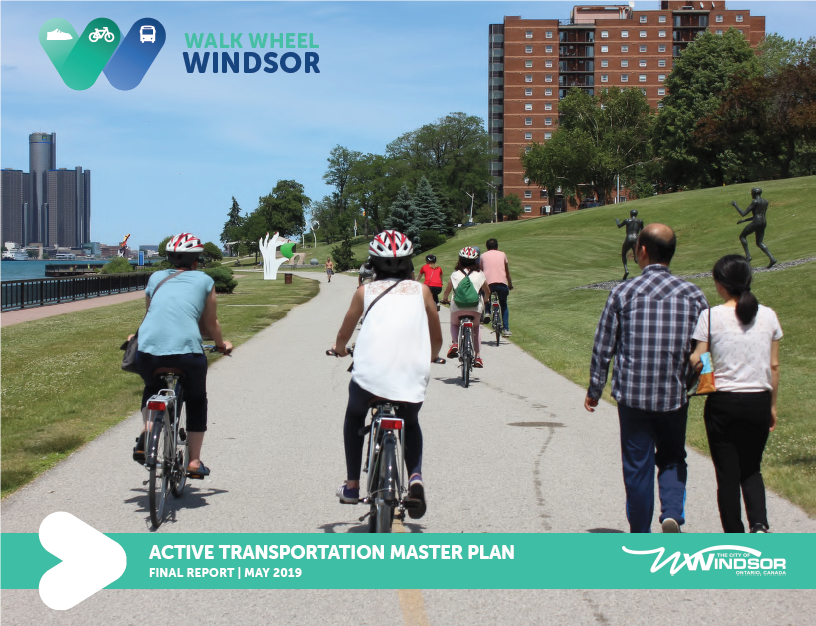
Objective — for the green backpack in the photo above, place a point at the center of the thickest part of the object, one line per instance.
(465, 295)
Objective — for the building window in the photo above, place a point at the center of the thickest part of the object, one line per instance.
(661, 91)
(661, 77)
(548, 34)
(624, 48)
(642, 78)
(624, 63)
(643, 19)
(718, 19)
(604, 34)
(548, 91)
(528, 49)
(548, 64)
(661, 19)
(528, 91)
(604, 63)
(547, 135)
(624, 78)
(528, 63)
(526, 150)
(548, 78)
(526, 181)
(643, 33)
(528, 194)
(642, 63)
(719, 32)
(548, 106)
(528, 106)
(661, 33)
(642, 48)
(739, 18)
(529, 34)
(548, 49)
(547, 121)
(528, 121)
(624, 34)
(528, 208)
(659, 105)
(739, 30)
(643, 91)
(528, 78)
(604, 48)
(604, 78)
(661, 48)
(661, 63)
(528, 135)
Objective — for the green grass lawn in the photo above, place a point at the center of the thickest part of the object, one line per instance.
(62, 385)
(555, 323)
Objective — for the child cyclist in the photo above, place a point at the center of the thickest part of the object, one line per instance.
(399, 338)
(433, 277)
(468, 265)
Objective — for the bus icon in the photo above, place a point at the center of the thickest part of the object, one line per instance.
(147, 33)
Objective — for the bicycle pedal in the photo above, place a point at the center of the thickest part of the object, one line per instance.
(182, 434)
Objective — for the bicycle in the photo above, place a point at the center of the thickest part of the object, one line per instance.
(496, 316)
(386, 486)
(100, 33)
(467, 354)
(166, 453)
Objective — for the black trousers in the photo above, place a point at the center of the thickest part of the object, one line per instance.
(737, 426)
(195, 383)
(435, 291)
(359, 400)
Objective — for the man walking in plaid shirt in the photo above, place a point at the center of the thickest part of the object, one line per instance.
(647, 325)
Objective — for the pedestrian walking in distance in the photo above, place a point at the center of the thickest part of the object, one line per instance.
(646, 326)
(739, 416)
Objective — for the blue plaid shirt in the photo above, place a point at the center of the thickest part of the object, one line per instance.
(647, 325)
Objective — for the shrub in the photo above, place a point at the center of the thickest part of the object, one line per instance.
(117, 265)
(431, 239)
(224, 282)
(343, 257)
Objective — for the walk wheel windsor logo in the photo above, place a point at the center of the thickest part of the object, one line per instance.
(79, 59)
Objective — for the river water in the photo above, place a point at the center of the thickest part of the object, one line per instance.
(22, 270)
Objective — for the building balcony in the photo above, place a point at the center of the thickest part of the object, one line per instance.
(577, 50)
(576, 66)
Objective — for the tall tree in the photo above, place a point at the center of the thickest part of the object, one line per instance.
(338, 174)
(599, 137)
(403, 215)
(777, 53)
(428, 212)
(370, 189)
(234, 221)
(284, 209)
(706, 69)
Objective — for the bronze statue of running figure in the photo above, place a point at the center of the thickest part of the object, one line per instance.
(633, 228)
(758, 208)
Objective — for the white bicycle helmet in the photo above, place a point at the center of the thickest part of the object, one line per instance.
(469, 253)
(184, 243)
(391, 244)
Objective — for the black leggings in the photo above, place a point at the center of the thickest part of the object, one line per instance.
(435, 291)
(358, 404)
(737, 426)
(194, 367)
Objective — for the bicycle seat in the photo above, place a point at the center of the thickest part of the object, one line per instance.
(469, 318)
(168, 370)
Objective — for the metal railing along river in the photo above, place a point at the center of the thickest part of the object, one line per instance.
(21, 294)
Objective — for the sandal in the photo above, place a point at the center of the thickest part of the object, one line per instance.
(453, 351)
(139, 449)
(477, 362)
(440, 361)
(200, 473)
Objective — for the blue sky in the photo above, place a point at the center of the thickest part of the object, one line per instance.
(168, 156)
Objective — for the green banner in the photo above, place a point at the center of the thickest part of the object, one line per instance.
(440, 561)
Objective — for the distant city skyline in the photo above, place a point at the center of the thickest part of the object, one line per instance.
(169, 155)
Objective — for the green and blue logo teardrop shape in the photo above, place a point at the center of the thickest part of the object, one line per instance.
(79, 59)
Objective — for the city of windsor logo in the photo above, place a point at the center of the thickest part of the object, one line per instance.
(80, 59)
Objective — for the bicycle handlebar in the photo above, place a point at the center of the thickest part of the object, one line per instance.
(214, 348)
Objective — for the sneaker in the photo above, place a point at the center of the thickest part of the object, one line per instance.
(416, 491)
(139, 449)
(477, 362)
(670, 525)
(453, 351)
(507, 333)
(348, 496)
(759, 527)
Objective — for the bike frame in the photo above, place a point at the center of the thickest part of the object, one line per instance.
(377, 437)
(495, 316)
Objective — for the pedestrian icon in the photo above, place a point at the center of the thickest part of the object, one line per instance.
(58, 35)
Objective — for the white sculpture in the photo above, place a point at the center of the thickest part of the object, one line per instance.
(268, 247)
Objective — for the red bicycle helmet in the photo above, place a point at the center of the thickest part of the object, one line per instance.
(184, 243)
(468, 253)
(391, 244)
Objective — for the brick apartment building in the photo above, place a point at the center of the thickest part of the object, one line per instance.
(534, 63)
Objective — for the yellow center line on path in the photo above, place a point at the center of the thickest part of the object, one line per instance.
(411, 602)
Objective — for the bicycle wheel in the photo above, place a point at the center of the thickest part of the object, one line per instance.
(158, 459)
(467, 360)
(108, 37)
(388, 488)
(497, 327)
(181, 458)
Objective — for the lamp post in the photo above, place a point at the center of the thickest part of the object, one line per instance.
(471, 205)
(495, 195)
(315, 226)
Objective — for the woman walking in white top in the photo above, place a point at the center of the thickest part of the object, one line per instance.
(399, 337)
(744, 345)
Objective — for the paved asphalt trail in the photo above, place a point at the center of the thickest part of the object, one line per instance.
(525, 457)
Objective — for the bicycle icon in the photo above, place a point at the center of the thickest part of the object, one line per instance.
(100, 33)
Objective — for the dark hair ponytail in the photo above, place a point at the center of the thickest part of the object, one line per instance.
(733, 272)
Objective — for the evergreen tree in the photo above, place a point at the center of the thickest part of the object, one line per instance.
(233, 223)
(403, 215)
(429, 214)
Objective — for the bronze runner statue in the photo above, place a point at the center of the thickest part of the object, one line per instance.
(633, 228)
(758, 207)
